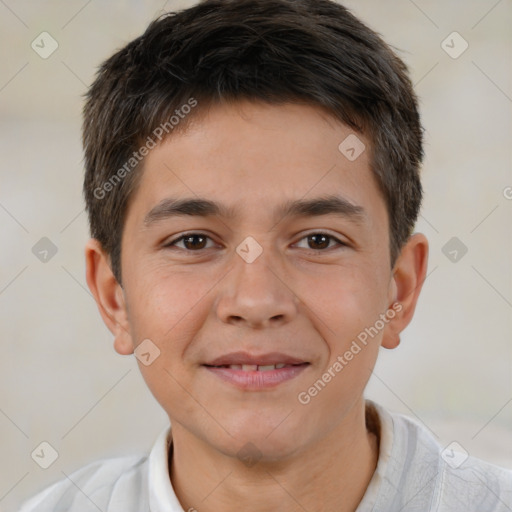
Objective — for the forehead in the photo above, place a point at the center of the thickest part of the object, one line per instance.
(252, 158)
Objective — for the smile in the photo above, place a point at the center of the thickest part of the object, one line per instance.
(253, 377)
(254, 367)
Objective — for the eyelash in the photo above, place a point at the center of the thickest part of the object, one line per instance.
(193, 234)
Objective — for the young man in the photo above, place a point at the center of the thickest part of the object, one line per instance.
(252, 184)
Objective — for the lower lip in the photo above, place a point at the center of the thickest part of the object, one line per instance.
(257, 380)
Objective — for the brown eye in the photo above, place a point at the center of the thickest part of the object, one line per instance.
(191, 241)
(321, 241)
(194, 242)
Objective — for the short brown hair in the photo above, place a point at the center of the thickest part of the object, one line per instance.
(276, 51)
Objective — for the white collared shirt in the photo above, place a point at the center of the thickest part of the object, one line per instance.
(413, 475)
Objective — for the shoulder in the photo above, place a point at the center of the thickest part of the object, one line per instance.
(475, 483)
(98, 485)
(457, 480)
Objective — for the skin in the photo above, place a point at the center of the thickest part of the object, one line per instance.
(199, 300)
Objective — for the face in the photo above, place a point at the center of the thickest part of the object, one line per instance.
(253, 240)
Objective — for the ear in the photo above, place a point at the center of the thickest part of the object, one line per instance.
(109, 296)
(408, 277)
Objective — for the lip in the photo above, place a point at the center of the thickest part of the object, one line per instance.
(259, 360)
(257, 380)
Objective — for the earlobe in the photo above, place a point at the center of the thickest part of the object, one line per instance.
(408, 277)
(109, 296)
(391, 338)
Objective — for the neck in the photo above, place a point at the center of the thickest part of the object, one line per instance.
(331, 474)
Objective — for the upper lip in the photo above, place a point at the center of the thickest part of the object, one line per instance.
(260, 360)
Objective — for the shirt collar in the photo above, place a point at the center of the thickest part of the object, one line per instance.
(385, 435)
(162, 497)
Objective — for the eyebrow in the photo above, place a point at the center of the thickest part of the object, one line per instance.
(200, 207)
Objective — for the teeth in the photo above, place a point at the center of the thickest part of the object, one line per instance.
(255, 367)
(266, 368)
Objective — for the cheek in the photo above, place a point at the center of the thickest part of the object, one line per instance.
(345, 314)
(169, 387)
(167, 303)
(344, 301)
(169, 309)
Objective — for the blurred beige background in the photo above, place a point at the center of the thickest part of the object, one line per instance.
(60, 379)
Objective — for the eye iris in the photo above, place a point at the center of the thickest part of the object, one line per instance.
(320, 240)
(187, 239)
(323, 244)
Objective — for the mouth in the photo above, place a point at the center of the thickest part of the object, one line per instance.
(259, 360)
(255, 367)
(253, 373)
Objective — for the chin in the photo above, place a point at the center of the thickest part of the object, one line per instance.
(254, 448)
(259, 437)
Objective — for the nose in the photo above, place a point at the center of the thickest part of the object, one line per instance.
(257, 294)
